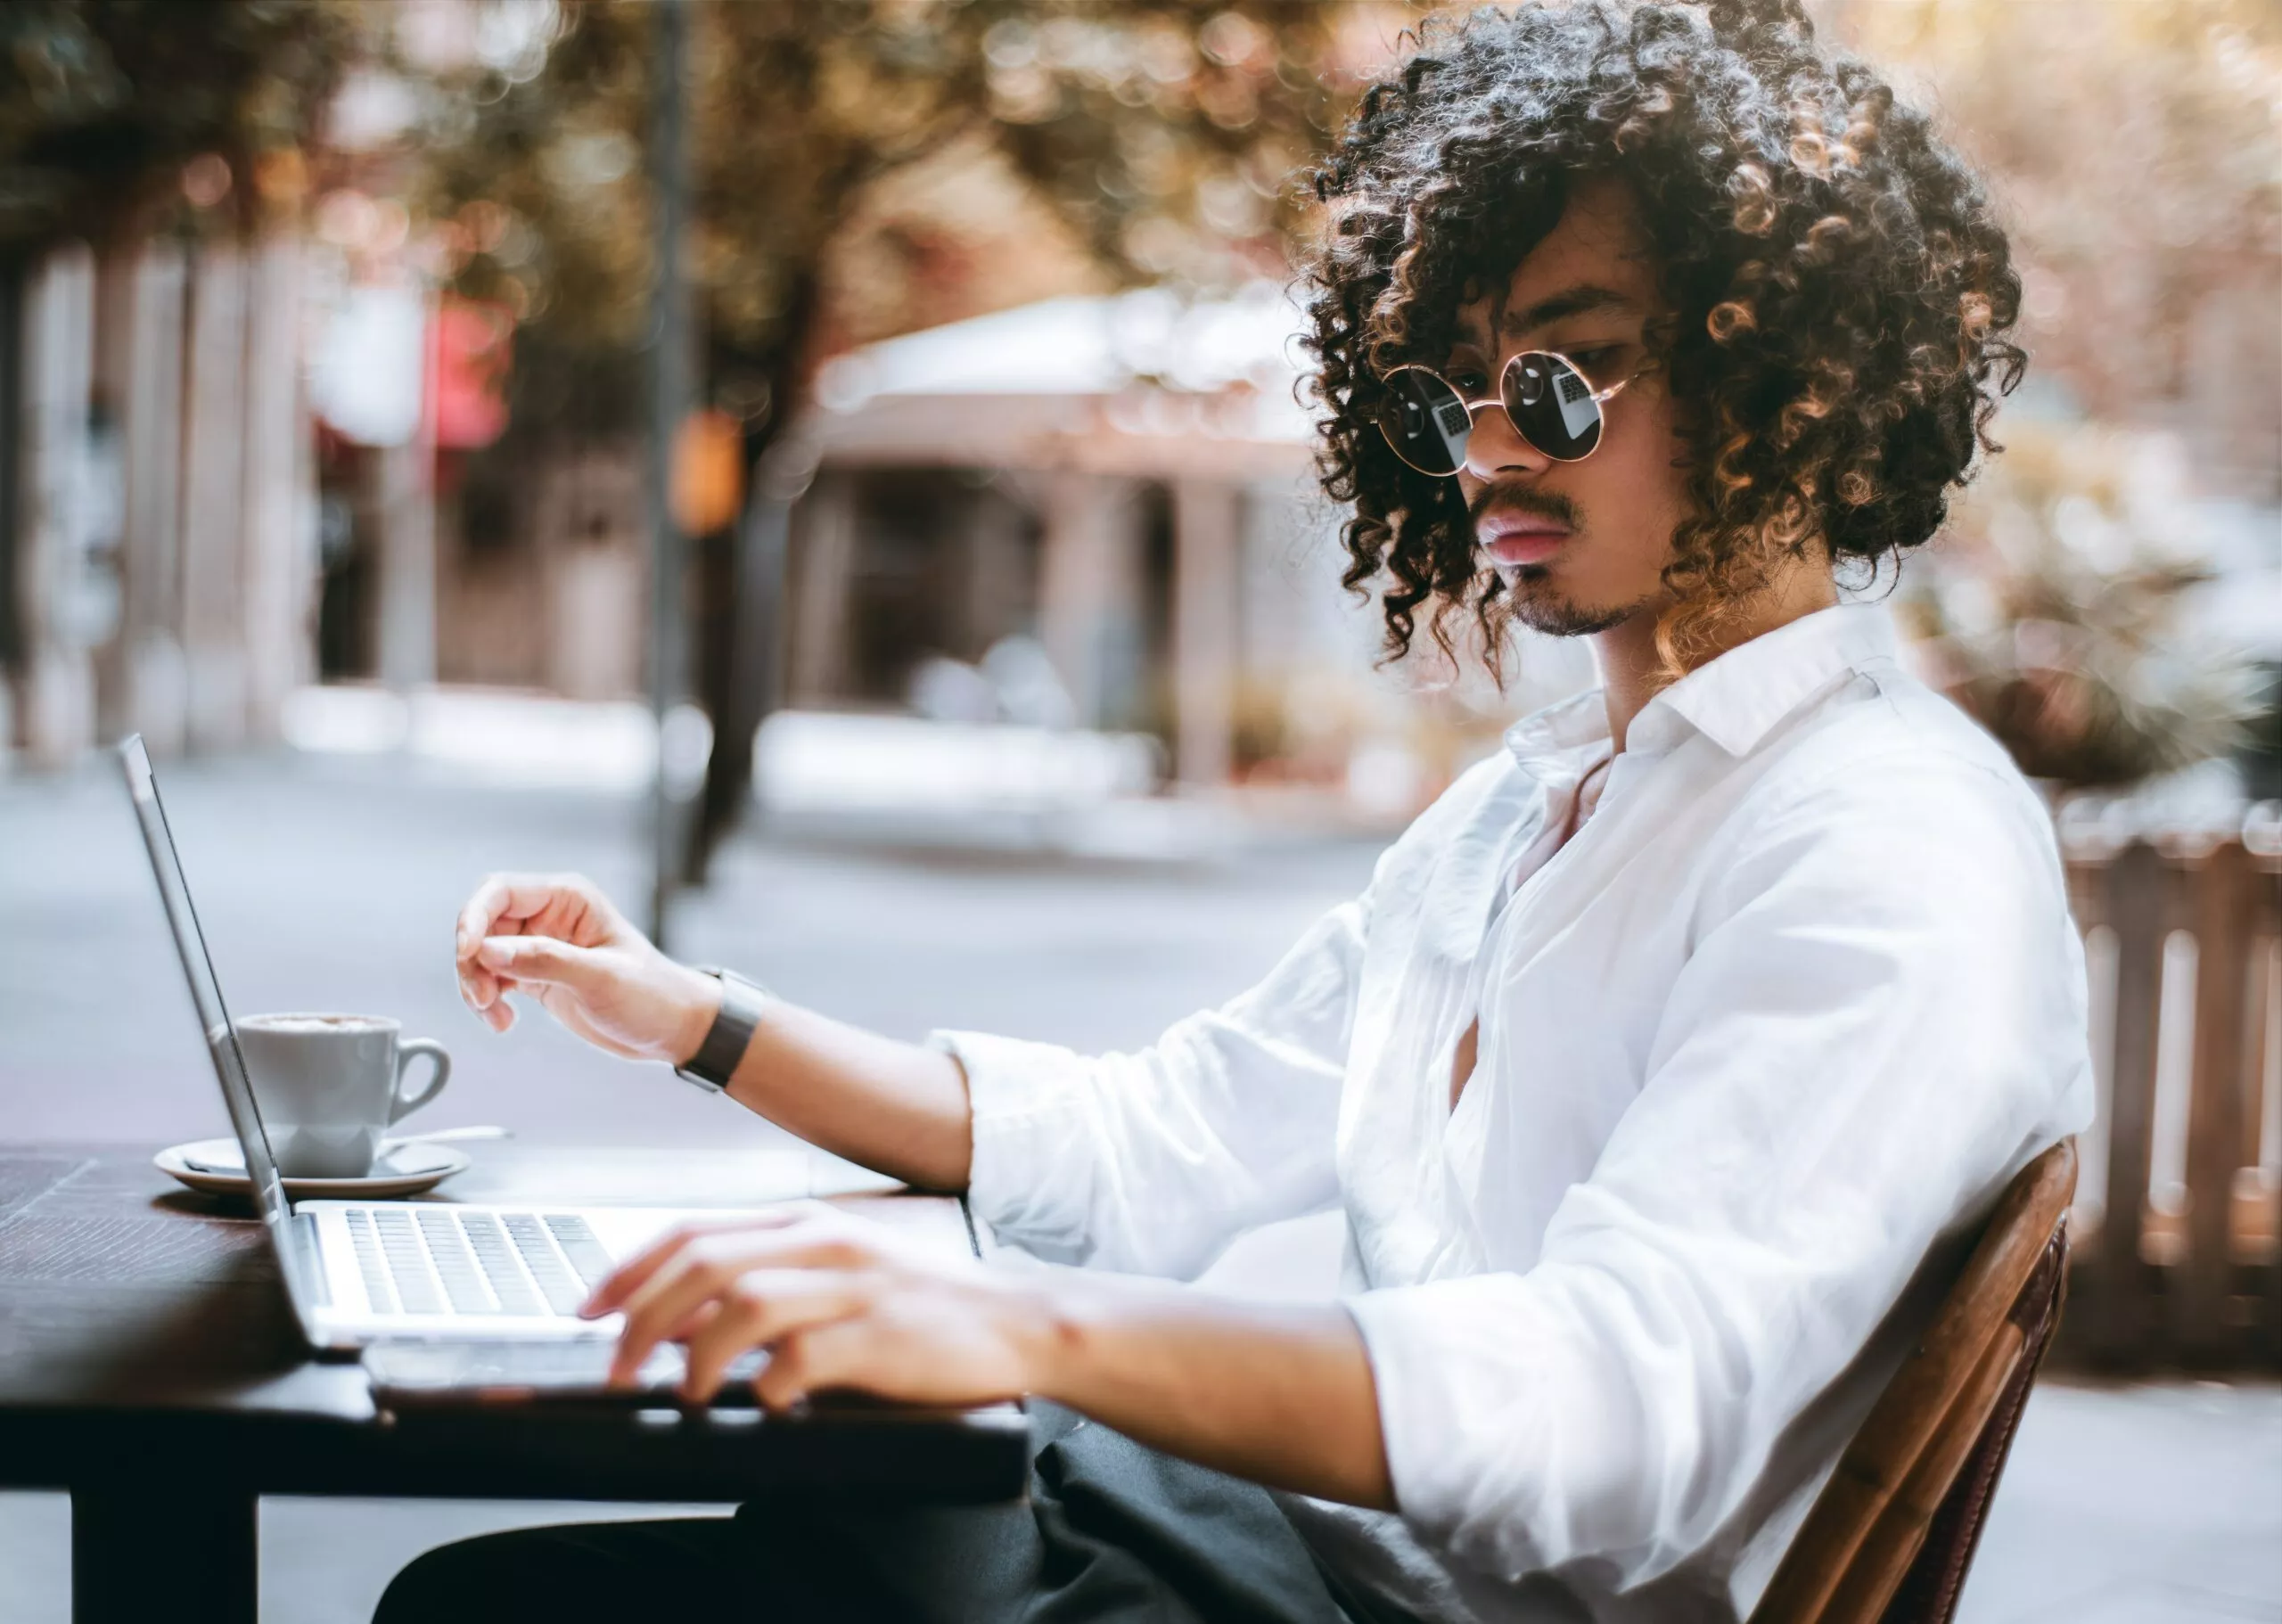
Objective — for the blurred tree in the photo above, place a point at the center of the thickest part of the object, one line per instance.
(2059, 619)
(1161, 133)
(2132, 143)
(104, 103)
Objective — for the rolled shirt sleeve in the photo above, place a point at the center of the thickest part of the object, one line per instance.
(1880, 1020)
(1151, 1163)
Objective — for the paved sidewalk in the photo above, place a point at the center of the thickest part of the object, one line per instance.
(333, 884)
(2159, 1503)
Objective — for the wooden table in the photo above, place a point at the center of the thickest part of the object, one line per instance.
(149, 1366)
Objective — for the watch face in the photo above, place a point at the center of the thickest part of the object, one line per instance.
(716, 1058)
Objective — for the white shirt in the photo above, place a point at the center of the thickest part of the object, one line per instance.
(1770, 1032)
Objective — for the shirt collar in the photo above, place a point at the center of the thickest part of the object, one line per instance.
(1734, 700)
(1548, 743)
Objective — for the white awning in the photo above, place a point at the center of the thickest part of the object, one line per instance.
(1141, 383)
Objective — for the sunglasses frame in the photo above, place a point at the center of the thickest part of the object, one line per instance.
(1599, 398)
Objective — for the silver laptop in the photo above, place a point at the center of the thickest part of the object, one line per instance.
(424, 1274)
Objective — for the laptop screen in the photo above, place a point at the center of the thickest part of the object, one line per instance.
(221, 1038)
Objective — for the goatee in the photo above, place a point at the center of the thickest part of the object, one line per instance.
(1532, 602)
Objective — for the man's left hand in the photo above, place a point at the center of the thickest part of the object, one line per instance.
(840, 1302)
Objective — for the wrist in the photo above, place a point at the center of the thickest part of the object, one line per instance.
(697, 1005)
(1049, 1330)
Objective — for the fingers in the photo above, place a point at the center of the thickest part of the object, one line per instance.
(480, 990)
(758, 1308)
(520, 898)
(706, 1270)
(542, 961)
(682, 1287)
(500, 896)
(487, 995)
(568, 907)
(807, 1362)
(692, 1323)
(631, 1276)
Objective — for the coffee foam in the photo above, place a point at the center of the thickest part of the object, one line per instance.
(312, 1023)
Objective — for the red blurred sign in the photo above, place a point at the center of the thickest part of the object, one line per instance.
(471, 346)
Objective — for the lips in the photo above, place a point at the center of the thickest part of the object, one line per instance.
(1512, 539)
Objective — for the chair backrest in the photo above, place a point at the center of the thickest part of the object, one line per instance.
(1892, 1534)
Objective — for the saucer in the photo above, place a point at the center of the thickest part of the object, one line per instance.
(406, 1170)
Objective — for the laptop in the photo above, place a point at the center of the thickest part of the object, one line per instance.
(442, 1300)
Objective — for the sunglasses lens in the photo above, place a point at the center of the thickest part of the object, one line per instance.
(1426, 421)
(1552, 405)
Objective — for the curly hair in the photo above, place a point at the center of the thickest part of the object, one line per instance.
(1836, 294)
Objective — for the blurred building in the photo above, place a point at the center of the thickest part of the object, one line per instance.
(1125, 478)
(1125, 481)
(158, 487)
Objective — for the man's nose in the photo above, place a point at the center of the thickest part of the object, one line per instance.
(1496, 448)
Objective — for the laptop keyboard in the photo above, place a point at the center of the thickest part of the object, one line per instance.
(438, 1260)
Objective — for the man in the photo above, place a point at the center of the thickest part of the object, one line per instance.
(1666, 1058)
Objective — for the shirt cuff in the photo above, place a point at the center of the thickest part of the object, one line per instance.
(1498, 1424)
(1031, 1177)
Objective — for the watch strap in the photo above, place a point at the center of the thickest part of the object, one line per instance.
(716, 1062)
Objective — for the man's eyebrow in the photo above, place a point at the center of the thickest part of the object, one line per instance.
(1584, 297)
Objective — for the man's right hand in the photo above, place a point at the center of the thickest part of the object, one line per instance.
(557, 939)
(894, 1106)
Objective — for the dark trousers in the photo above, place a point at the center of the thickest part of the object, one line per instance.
(1111, 1532)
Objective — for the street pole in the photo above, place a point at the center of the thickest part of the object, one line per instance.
(669, 391)
(758, 658)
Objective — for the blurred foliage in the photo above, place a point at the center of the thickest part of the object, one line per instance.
(1158, 135)
(104, 102)
(2060, 619)
(2132, 146)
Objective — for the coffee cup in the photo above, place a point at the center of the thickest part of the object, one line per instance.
(328, 1087)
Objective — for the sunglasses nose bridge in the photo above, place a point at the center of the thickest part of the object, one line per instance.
(1497, 444)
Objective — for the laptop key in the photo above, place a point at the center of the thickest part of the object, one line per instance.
(496, 1258)
(556, 1283)
(416, 1282)
(586, 1254)
(372, 1263)
(456, 1264)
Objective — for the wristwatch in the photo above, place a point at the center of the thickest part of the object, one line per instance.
(742, 1004)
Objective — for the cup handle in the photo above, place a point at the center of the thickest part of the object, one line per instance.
(439, 1076)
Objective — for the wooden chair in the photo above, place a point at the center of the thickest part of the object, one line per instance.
(1892, 1534)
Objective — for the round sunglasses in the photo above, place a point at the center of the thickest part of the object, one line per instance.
(1551, 404)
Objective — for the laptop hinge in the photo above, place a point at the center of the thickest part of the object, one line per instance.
(319, 1285)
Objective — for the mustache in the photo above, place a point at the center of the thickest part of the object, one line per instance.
(1525, 499)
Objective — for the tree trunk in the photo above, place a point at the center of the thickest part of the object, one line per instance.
(740, 618)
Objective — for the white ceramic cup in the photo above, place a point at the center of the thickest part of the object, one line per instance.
(330, 1085)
